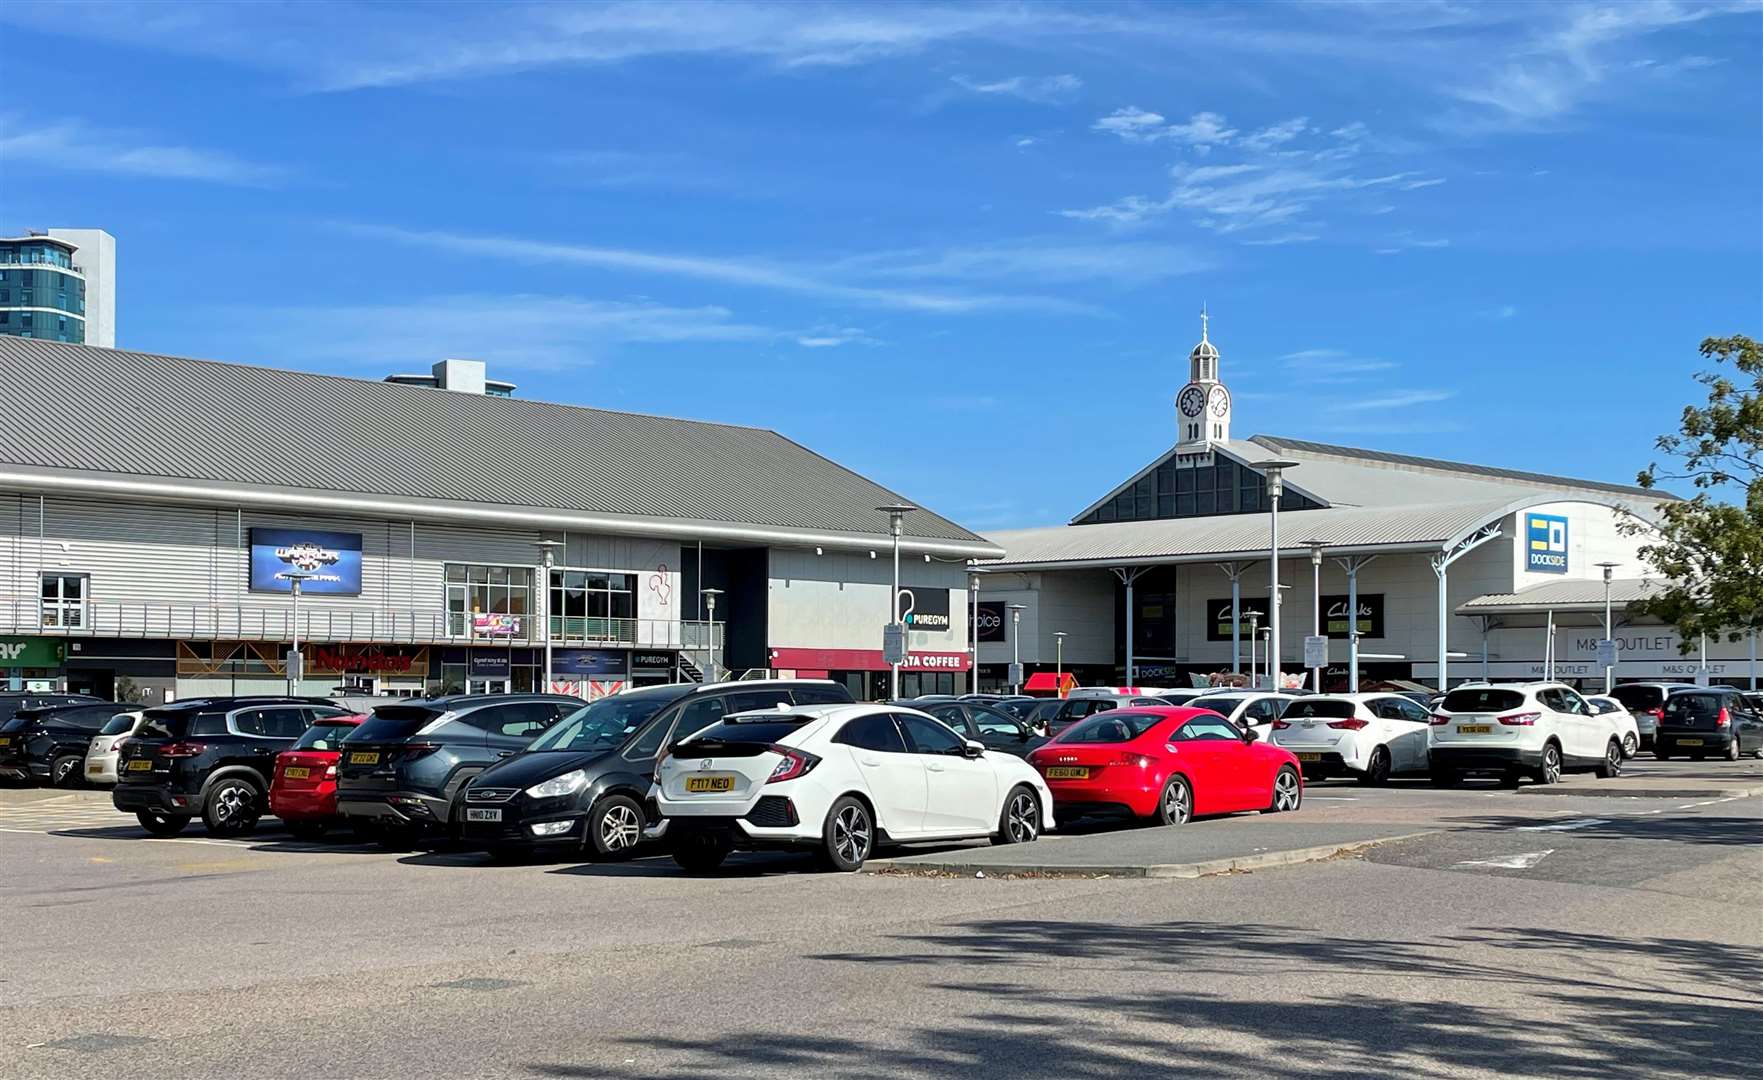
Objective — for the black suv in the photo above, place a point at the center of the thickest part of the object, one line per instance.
(209, 756)
(50, 743)
(585, 783)
(403, 768)
(13, 701)
(1708, 720)
(982, 722)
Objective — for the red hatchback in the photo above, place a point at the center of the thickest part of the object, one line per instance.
(304, 791)
(1169, 764)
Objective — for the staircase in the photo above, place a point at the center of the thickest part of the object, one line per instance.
(689, 670)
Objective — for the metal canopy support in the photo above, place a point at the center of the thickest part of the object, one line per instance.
(1441, 565)
(1128, 575)
(1234, 571)
(1352, 564)
(1488, 623)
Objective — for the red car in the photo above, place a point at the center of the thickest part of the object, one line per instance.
(1166, 763)
(304, 791)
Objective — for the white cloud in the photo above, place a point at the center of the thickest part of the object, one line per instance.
(1131, 123)
(1235, 198)
(1397, 243)
(1285, 238)
(1415, 185)
(1041, 89)
(1023, 142)
(1397, 399)
(1275, 135)
(1202, 131)
(830, 337)
(73, 144)
(1043, 261)
(1504, 311)
(1324, 366)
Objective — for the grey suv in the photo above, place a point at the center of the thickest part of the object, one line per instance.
(404, 768)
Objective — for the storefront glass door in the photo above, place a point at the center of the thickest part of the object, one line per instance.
(486, 686)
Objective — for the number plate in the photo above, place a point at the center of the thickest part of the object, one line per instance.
(710, 783)
(1309, 757)
(364, 757)
(5, 742)
(1475, 729)
(1689, 742)
(296, 772)
(140, 766)
(473, 813)
(1067, 772)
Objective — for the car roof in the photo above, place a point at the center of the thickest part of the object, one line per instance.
(187, 704)
(1243, 695)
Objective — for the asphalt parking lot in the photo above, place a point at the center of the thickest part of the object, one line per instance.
(1479, 932)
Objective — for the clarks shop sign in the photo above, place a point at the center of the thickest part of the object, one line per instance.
(326, 563)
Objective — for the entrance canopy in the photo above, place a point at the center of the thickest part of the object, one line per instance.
(1579, 596)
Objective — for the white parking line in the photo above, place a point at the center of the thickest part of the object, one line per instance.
(1512, 862)
(1332, 798)
(1563, 826)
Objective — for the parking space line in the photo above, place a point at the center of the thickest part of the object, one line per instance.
(1563, 826)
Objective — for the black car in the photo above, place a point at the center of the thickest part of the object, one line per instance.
(14, 701)
(983, 723)
(1708, 720)
(50, 743)
(404, 767)
(585, 783)
(209, 756)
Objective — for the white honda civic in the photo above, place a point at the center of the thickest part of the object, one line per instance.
(839, 780)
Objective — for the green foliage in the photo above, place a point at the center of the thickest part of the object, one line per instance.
(1710, 549)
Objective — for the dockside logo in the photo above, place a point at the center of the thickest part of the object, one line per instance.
(1546, 543)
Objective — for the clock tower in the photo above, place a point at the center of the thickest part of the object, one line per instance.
(1203, 406)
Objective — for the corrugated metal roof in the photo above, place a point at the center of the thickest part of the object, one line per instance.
(1581, 593)
(1488, 472)
(108, 411)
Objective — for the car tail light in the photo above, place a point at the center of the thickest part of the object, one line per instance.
(1521, 719)
(1657, 714)
(183, 749)
(1348, 725)
(330, 772)
(1135, 760)
(1723, 719)
(795, 763)
(1281, 725)
(418, 749)
(1440, 718)
(116, 747)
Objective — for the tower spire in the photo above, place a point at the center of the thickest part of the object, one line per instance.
(1202, 320)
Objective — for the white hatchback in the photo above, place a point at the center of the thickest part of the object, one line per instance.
(1252, 710)
(105, 747)
(839, 780)
(1371, 737)
(1628, 729)
(1536, 729)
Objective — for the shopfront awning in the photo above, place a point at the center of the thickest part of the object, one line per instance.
(1048, 682)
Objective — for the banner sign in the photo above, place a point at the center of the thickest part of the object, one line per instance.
(653, 661)
(495, 624)
(925, 610)
(588, 661)
(992, 620)
(1336, 624)
(30, 652)
(368, 659)
(488, 665)
(1252, 611)
(1545, 547)
(330, 561)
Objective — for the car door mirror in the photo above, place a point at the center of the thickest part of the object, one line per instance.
(1248, 735)
(972, 749)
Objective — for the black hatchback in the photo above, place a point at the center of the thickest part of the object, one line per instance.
(209, 756)
(1708, 720)
(585, 783)
(49, 744)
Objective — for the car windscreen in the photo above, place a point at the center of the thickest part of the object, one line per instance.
(1118, 726)
(323, 736)
(1682, 707)
(118, 725)
(1639, 698)
(394, 722)
(739, 733)
(1220, 705)
(605, 724)
(1482, 699)
(1319, 708)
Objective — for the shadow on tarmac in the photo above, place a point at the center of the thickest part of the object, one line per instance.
(1719, 831)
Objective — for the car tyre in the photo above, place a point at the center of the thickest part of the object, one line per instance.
(1020, 821)
(615, 827)
(1733, 750)
(162, 824)
(306, 830)
(64, 772)
(1288, 792)
(1630, 746)
(701, 854)
(1549, 772)
(1611, 767)
(848, 836)
(232, 807)
(1175, 806)
(1377, 770)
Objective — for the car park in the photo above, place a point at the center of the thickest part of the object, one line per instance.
(1706, 722)
(404, 769)
(213, 757)
(981, 723)
(584, 784)
(1252, 710)
(48, 744)
(1645, 701)
(1628, 731)
(106, 746)
(840, 780)
(303, 791)
(1370, 737)
(1539, 729)
(1166, 763)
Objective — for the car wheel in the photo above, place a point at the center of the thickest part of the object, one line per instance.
(848, 835)
(1378, 770)
(1442, 777)
(1020, 823)
(162, 824)
(1611, 767)
(1176, 805)
(1630, 746)
(1288, 794)
(615, 827)
(232, 807)
(1733, 752)
(305, 830)
(701, 854)
(65, 771)
(1549, 772)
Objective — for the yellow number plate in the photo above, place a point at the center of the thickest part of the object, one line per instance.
(1689, 742)
(364, 757)
(1309, 757)
(5, 742)
(1475, 729)
(296, 772)
(1066, 772)
(710, 783)
(140, 766)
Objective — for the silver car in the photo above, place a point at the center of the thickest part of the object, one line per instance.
(101, 753)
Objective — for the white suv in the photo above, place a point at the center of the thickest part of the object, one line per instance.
(1368, 736)
(1539, 729)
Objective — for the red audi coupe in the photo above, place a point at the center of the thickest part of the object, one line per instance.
(304, 791)
(1166, 763)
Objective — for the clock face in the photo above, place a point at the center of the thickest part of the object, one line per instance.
(1219, 401)
(1192, 401)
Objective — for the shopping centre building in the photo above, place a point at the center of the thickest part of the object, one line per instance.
(1495, 573)
(158, 514)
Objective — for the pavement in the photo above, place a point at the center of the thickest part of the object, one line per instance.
(1579, 935)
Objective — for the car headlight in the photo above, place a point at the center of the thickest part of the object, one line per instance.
(567, 784)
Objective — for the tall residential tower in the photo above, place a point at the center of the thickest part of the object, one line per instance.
(59, 285)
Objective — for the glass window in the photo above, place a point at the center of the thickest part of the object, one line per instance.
(64, 600)
(1077, 708)
(1318, 709)
(748, 700)
(994, 723)
(1680, 708)
(953, 715)
(928, 738)
(1205, 728)
(207, 724)
(519, 719)
(698, 714)
(734, 732)
(1481, 699)
(1637, 698)
(323, 737)
(118, 725)
(1115, 727)
(821, 695)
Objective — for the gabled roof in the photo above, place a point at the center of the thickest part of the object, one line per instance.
(114, 420)
(1474, 473)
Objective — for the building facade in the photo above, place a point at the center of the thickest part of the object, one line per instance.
(59, 286)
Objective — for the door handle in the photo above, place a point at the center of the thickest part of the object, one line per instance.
(869, 763)
(934, 767)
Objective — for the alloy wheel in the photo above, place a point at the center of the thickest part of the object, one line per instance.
(851, 835)
(1613, 759)
(231, 803)
(62, 769)
(1024, 818)
(1285, 792)
(1177, 804)
(619, 828)
(1630, 746)
(1551, 765)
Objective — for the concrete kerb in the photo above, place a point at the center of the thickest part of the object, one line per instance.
(1240, 863)
(1638, 792)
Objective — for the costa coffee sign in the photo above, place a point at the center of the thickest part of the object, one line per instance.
(863, 660)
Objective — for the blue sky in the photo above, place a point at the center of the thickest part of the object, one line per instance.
(960, 249)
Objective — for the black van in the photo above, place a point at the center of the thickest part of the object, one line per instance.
(584, 784)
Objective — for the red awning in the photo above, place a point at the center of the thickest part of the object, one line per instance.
(1049, 681)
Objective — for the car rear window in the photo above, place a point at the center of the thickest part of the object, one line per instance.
(118, 725)
(1638, 698)
(1482, 699)
(1694, 706)
(1220, 705)
(394, 722)
(740, 733)
(168, 723)
(1118, 726)
(1319, 708)
(323, 736)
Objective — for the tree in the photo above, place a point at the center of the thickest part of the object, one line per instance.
(1709, 549)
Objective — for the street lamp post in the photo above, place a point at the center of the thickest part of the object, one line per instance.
(710, 596)
(295, 577)
(973, 635)
(547, 557)
(1274, 470)
(1609, 626)
(896, 515)
(1254, 643)
(1016, 611)
(1315, 605)
(1059, 662)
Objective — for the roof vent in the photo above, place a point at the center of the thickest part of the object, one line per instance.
(460, 376)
